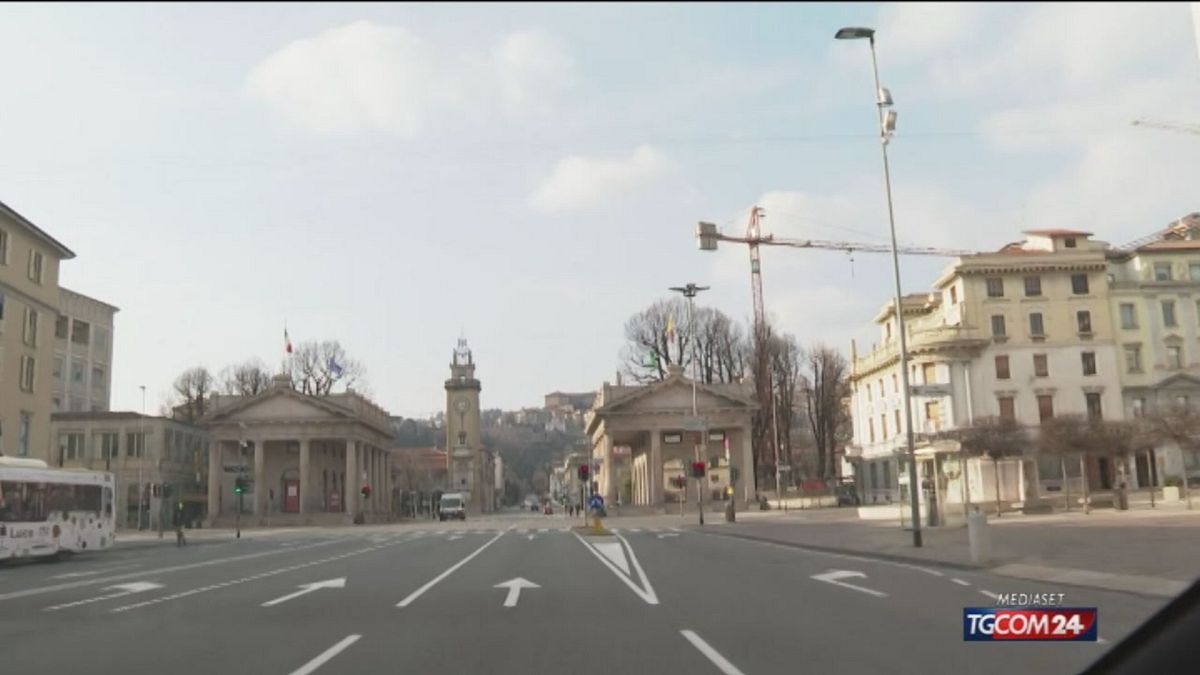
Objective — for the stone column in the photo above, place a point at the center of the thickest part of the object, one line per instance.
(610, 473)
(656, 474)
(350, 484)
(747, 464)
(216, 472)
(387, 483)
(373, 478)
(260, 478)
(305, 478)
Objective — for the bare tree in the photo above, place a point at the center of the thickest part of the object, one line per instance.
(786, 360)
(1067, 436)
(248, 378)
(661, 335)
(316, 366)
(824, 387)
(190, 392)
(996, 438)
(1178, 424)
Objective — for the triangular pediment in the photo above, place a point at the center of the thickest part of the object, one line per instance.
(282, 404)
(1179, 381)
(676, 395)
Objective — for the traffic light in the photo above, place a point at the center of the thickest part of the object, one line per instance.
(155, 490)
(365, 491)
(698, 469)
(584, 470)
(239, 485)
(734, 473)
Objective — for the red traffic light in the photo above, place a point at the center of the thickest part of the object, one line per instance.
(698, 469)
(583, 471)
(365, 491)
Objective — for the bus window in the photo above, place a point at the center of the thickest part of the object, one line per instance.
(108, 501)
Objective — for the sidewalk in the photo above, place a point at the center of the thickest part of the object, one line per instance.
(1152, 552)
(150, 537)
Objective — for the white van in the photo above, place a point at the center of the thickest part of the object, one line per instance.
(453, 505)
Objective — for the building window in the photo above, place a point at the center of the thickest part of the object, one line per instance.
(895, 383)
(874, 475)
(72, 445)
(995, 287)
(954, 295)
(97, 377)
(1045, 407)
(897, 416)
(28, 366)
(3, 247)
(135, 444)
(76, 370)
(1036, 327)
(929, 373)
(60, 327)
(31, 327)
(1168, 313)
(100, 341)
(1181, 400)
(1033, 286)
(1174, 357)
(1162, 271)
(1084, 319)
(35, 266)
(1128, 315)
(1008, 411)
(868, 393)
(1079, 284)
(1093, 406)
(107, 442)
(23, 435)
(1139, 406)
(887, 474)
(871, 429)
(1089, 363)
(881, 394)
(883, 426)
(79, 331)
(1194, 271)
(58, 365)
(887, 330)
(1133, 358)
(1002, 368)
(997, 325)
(933, 415)
(1040, 366)
(1069, 242)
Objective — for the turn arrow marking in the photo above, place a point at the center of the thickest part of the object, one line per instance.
(514, 587)
(832, 577)
(308, 588)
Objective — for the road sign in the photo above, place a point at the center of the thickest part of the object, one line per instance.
(691, 423)
(595, 502)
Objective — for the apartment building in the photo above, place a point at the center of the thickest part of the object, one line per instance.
(83, 354)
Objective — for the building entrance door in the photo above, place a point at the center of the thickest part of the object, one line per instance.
(291, 496)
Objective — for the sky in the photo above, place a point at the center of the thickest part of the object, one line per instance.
(529, 176)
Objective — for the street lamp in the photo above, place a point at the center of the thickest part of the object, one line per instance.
(887, 126)
(690, 291)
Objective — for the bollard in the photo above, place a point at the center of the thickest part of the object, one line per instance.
(978, 536)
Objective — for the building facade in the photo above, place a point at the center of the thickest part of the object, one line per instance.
(29, 302)
(83, 353)
(141, 451)
(304, 459)
(1024, 333)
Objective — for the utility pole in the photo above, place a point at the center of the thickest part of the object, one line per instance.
(141, 457)
(690, 291)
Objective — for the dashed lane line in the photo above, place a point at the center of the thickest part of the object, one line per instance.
(711, 654)
(960, 582)
(326, 655)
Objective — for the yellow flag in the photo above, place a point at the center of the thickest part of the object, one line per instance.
(671, 328)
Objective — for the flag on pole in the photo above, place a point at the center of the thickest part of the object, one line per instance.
(335, 368)
(671, 328)
(287, 341)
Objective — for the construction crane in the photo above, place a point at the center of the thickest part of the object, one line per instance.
(707, 236)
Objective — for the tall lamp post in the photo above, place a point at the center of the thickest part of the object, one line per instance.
(690, 291)
(887, 125)
(141, 455)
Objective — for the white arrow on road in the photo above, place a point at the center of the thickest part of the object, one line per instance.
(514, 587)
(668, 534)
(832, 576)
(122, 590)
(531, 536)
(309, 588)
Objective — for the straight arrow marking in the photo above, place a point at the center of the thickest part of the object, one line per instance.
(514, 587)
(122, 591)
(308, 588)
(833, 576)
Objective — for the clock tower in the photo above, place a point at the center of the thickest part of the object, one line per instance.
(463, 441)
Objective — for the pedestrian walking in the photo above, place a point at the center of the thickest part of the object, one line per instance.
(180, 539)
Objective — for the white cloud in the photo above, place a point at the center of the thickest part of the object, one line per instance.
(578, 182)
(366, 77)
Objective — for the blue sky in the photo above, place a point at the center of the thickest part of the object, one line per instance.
(530, 175)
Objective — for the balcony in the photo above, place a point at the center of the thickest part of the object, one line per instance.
(921, 339)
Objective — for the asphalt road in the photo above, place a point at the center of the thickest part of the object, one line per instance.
(424, 598)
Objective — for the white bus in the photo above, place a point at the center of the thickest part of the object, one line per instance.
(52, 512)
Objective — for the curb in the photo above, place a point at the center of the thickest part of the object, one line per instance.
(890, 557)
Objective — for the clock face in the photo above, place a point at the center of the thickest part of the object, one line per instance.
(461, 405)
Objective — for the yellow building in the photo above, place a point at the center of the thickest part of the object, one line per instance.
(29, 300)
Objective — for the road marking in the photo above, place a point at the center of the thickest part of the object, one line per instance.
(124, 590)
(654, 529)
(713, 655)
(927, 570)
(434, 581)
(520, 531)
(439, 531)
(632, 529)
(143, 573)
(542, 529)
(990, 595)
(960, 582)
(674, 529)
(326, 655)
(308, 588)
(260, 575)
(664, 535)
(832, 576)
(613, 551)
(73, 575)
(514, 587)
(531, 536)
(646, 592)
(453, 537)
